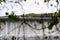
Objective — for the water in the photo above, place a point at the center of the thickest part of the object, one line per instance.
(30, 34)
(28, 38)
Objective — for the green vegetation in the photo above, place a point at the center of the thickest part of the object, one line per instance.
(55, 14)
(2, 1)
(31, 15)
(46, 0)
(12, 17)
(54, 21)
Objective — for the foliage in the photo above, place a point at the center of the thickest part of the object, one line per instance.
(46, 0)
(54, 17)
(40, 21)
(54, 22)
(32, 15)
(2, 1)
(55, 14)
(50, 26)
(12, 17)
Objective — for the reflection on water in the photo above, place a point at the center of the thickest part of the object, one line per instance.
(28, 38)
(10, 32)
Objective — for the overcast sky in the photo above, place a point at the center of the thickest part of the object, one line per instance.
(30, 6)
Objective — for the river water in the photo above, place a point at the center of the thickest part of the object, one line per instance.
(9, 29)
